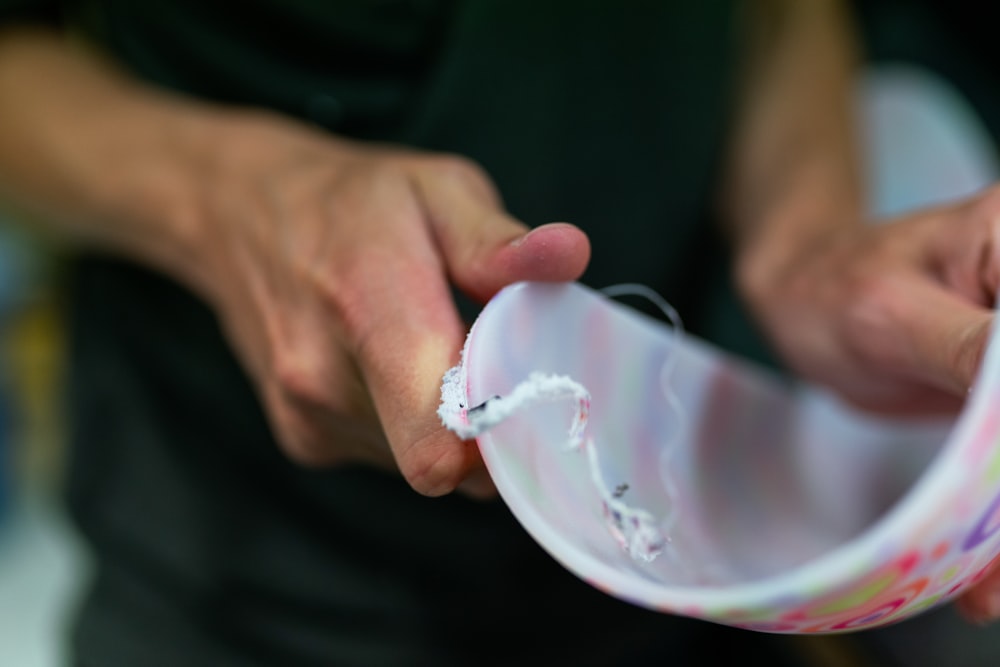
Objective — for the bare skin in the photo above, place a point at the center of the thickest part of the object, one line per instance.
(894, 317)
(329, 263)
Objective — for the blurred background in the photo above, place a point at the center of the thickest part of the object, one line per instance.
(42, 564)
(44, 567)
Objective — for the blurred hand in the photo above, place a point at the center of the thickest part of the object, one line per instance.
(329, 264)
(894, 317)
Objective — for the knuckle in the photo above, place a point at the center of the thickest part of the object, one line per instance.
(352, 182)
(295, 381)
(348, 308)
(383, 178)
(870, 316)
(461, 171)
(298, 378)
(456, 166)
(871, 296)
(296, 436)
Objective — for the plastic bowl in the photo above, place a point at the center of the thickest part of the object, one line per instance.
(779, 509)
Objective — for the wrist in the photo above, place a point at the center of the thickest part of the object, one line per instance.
(94, 156)
(150, 190)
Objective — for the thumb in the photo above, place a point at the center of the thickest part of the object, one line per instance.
(481, 260)
(941, 337)
(961, 248)
(485, 249)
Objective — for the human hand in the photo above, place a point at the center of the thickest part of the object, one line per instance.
(329, 264)
(894, 317)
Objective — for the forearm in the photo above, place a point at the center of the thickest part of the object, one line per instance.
(794, 173)
(95, 156)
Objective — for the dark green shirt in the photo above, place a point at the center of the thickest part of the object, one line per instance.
(214, 549)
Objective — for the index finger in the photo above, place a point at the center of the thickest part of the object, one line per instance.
(925, 331)
(412, 336)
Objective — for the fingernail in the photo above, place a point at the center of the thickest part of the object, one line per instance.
(521, 239)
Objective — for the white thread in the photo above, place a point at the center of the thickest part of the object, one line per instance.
(536, 389)
(635, 529)
(453, 410)
(701, 568)
(669, 447)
